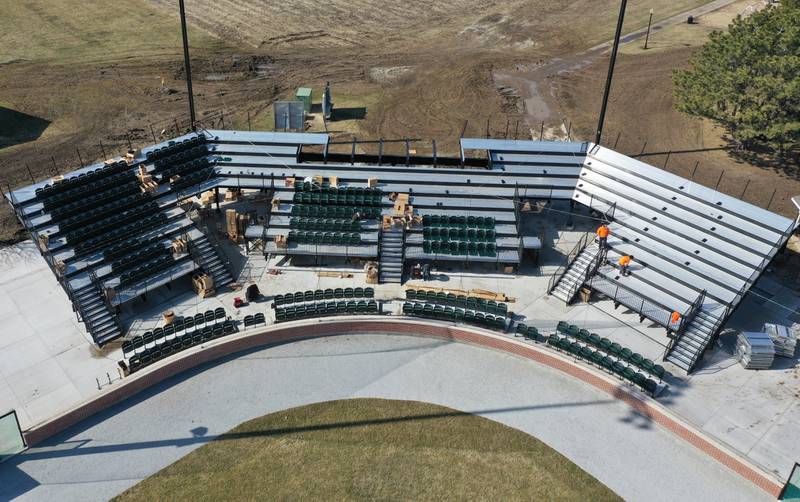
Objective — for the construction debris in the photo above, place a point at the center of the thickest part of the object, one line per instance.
(755, 351)
(477, 293)
(338, 275)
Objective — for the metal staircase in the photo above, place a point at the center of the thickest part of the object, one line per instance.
(96, 313)
(204, 254)
(576, 274)
(694, 336)
(391, 255)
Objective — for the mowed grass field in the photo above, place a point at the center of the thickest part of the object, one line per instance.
(372, 449)
(76, 31)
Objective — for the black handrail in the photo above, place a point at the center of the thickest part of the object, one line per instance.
(562, 269)
(646, 308)
(686, 319)
(590, 270)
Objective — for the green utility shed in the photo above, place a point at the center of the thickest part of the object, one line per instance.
(304, 95)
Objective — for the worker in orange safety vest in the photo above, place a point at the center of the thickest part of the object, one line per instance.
(602, 235)
(624, 264)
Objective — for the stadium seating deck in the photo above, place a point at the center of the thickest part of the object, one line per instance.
(691, 244)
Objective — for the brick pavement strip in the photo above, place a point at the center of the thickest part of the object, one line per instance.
(289, 332)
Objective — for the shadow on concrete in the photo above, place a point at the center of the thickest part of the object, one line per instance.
(17, 482)
(17, 127)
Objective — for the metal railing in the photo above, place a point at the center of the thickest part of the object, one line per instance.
(588, 272)
(621, 295)
(720, 320)
(686, 319)
(715, 329)
(562, 269)
(98, 285)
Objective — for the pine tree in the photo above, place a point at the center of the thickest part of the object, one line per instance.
(748, 78)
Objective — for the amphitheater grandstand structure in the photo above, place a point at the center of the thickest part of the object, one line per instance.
(108, 236)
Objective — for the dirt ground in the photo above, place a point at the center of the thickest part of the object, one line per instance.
(643, 122)
(75, 74)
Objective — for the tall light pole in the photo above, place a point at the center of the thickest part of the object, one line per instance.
(649, 23)
(187, 68)
(614, 49)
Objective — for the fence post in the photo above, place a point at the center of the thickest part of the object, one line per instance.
(177, 129)
(697, 163)
(541, 132)
(248, 121)
(745, 189)
(770, 199)
(55, 168)
(643, 147)
(79, 156)
(222, 118)
(667, 159)
(516, 130)
(33, 180)
(617, 140)
(719, 179)
(152, 133)
(103, 151)
(130, 145)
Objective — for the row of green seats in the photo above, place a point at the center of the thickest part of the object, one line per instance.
(453, 300)
(326, 188)
(89, 216)
(139, 256)
(336, 200)
(460, 248)
(61, 193)
(194, 178)
(110, 220)
(91, 201)
(611, 348)
(528, 332)
(123, 232)
(146, 269)
(84, 184)
(323, 294)
(175, 146)
(179, 343)
(454, 315)
(599, 358)
(317, 211)
(458, 234)
(325, 224)
(436, 220)
(149, 339)
(323, 309)
(329, 238)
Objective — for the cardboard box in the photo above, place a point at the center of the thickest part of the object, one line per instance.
(333, 181)
(231, 221)
(372, 182)
(288, 182)
(281, 241)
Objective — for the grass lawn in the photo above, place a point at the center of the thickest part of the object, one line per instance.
(77, 31)
(372, 449)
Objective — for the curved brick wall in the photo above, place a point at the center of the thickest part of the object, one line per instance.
(330, 327)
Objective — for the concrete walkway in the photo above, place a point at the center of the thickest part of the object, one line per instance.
(114, 450)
